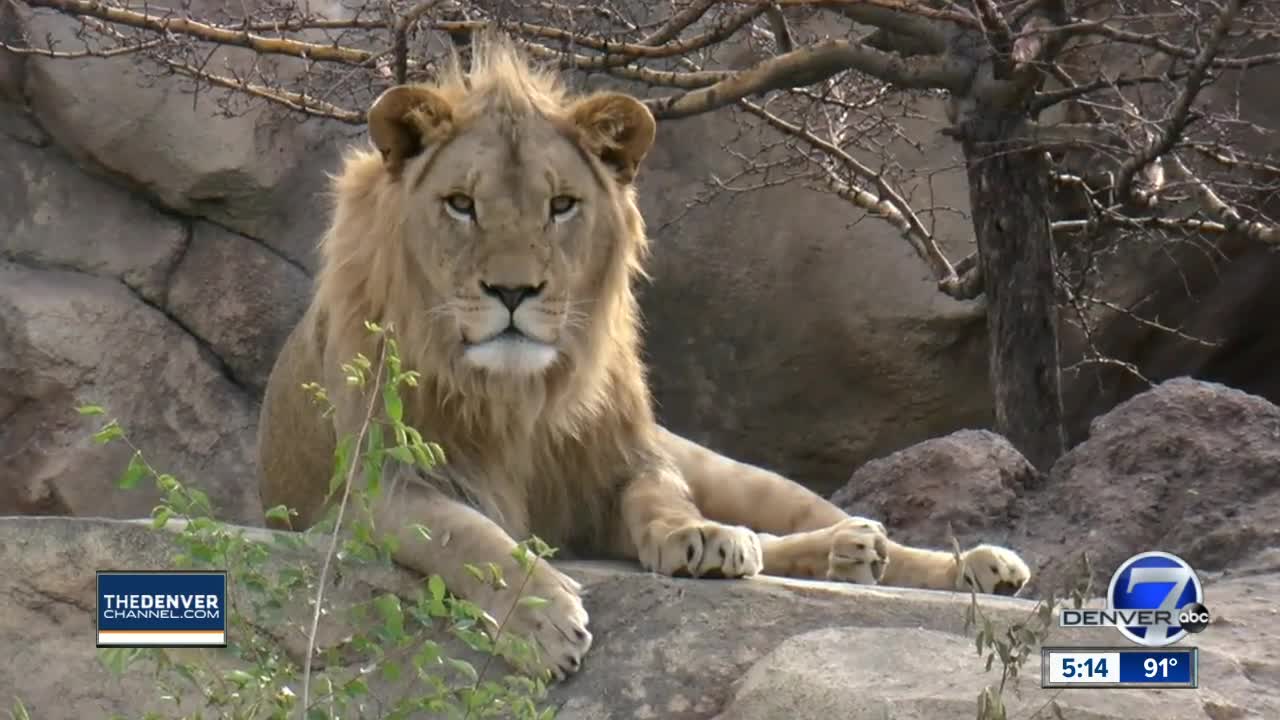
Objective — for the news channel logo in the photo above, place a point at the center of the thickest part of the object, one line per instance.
(162, 609)
(1155, 599)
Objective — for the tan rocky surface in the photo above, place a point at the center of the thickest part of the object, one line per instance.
(667, 648)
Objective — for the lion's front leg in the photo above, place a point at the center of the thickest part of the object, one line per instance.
(803, 535)
(459, 535)
(983, 568)
(852, 550)
(671, 537)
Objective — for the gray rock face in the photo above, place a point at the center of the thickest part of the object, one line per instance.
(240, 298)
(69, 339)
(53, 215)
(971, 479)
(239, 164)
(1188, 467)
(767, 326)
(665, 648)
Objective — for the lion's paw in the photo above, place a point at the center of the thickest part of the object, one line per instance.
(993, 569)
(556, 628)
(705, 549)
(859, 551)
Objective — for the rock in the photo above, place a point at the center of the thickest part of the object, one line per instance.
(70, 339)
(53, 215)
(665, 648)
(1188, 467)
(239, 297)
(785, 331)
(213, 155)
(971, 479)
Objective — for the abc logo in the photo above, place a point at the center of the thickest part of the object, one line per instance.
(1168, 587)
(1194, 618)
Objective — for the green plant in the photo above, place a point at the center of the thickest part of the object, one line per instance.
(1014, 643)
(389, 636)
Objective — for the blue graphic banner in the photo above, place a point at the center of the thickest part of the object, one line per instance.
(162, 609)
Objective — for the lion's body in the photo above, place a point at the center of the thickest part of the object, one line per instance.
(495, 229)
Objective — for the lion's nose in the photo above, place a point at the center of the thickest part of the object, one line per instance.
(1004, 587)
(511, 295)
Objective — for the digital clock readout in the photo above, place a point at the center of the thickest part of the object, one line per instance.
(1063, 667)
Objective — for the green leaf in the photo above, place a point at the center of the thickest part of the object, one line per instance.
(533, 602)
(19, 711)
(463, 667)
(133, 473)
(117, 660)
(435, 585)
(90, 410)
(373, 473)
(110, 431)
(428, 654)
(388, 606)
(167, 483)
(401, 453)
(341, 462)
(355, 688)
(279, 512)
(420, 455)
(393, 403)
(160, 517)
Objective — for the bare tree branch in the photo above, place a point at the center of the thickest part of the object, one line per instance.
(204, 31)
(1173, 129)
(810, 65)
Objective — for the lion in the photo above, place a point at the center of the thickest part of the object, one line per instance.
(493, 223)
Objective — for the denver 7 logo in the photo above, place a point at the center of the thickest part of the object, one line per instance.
(1159, 582)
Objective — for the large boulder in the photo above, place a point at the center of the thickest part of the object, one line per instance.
(239, 297)
(664, 648)
(968, 483)
(68, 338)
(208, 154)
(1188, 467)
(53, 215)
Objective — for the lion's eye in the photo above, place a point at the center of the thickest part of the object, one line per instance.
(563, 207)
(460, 206)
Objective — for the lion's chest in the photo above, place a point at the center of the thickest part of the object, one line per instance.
(565, 492)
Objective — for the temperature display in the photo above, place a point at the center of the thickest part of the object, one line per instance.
(1118, 667)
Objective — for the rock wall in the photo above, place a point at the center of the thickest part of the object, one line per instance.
(667, 648)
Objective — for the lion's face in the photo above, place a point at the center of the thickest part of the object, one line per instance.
(514, 230)
(516, 217)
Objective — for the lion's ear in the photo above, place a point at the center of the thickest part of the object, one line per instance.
(617, 128)
(406, 119)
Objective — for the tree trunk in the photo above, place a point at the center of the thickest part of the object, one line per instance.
(1009, 194)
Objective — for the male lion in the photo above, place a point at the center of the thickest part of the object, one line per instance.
(494, 225)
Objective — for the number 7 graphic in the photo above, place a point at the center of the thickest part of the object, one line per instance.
(1179, 576)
